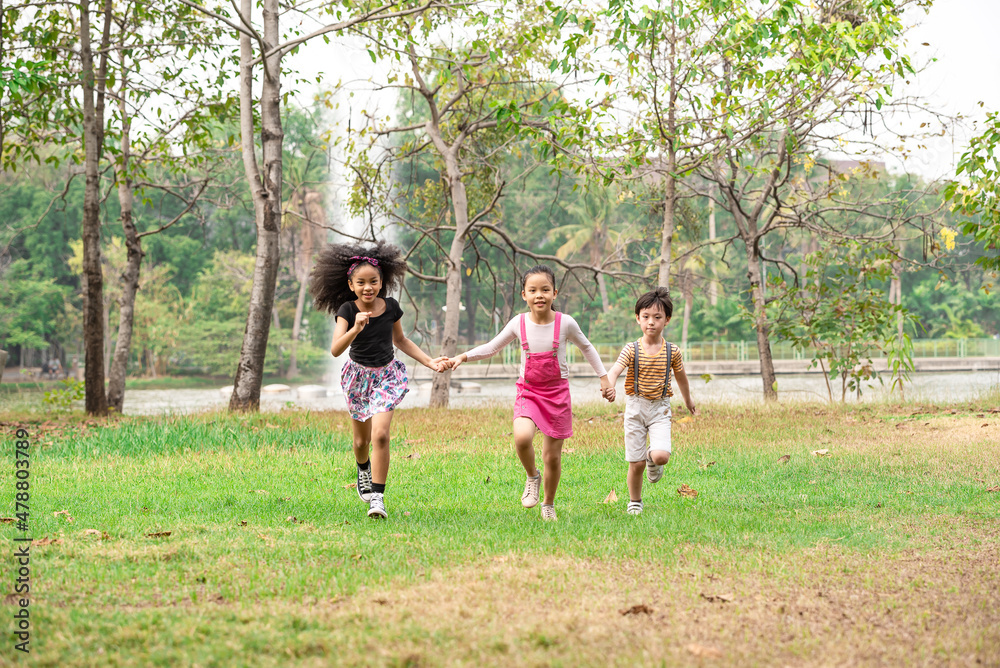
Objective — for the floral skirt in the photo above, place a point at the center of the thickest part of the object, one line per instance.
(371, 390)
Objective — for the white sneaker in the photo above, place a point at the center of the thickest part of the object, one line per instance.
(549, 513)
(365, 483)
(634, 508)
(653, 472)
(531, 486)
(376, 507)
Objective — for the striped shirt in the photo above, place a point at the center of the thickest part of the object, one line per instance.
(652, 370)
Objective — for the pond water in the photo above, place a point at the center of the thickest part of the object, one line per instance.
(957, 386)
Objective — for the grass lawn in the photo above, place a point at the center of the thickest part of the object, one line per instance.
(885, 551)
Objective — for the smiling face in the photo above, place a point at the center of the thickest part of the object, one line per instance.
(538, 293)
(652, 320)
(365, 283)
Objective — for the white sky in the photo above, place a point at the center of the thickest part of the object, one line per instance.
(962, 37)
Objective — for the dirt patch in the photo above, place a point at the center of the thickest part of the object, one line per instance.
(829, 608)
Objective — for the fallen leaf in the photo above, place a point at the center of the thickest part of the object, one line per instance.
(821, 453)
(611, 497)
(718, 598)
(407, 512)
(309, 463)
(351, 485)
(641, 609)
(784, 459)
(160, 534)
(46, 541)
(262, 491)
(812, 482)
(243, 523)
(263, 536)
(986, 424)
(684, 490)
(413, 455)
(683, 420)
(709, 464)
(703, 651)
(65, 513)
(414, 441)
(569, 451)
(91, 532)
(293, 520)
(993, 489)
(398, 535)
(357, 557)
(6, 520)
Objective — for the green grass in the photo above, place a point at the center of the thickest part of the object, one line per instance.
(226, 488)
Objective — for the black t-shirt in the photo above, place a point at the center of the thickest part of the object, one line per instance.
(373, 346)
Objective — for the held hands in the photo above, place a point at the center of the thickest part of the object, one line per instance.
(456, 361)
(439, 364)
(607, 390)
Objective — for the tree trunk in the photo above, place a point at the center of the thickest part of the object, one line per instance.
(761, 324)
(266, 194)
(130, 277)
(300, 301)
(95, 400)
(670, 184)
(470, 312)
(688, 291)
(667, 232)
(713, 284)
(440, 390)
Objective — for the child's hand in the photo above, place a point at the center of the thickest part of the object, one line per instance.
(609, 394)
(690, 407)
(440, 364)
(361, 320)
(456, 361)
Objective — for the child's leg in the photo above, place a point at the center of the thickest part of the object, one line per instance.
(362, 437)
(524, 434)
(380, 423)
(552, 459)
(634, 480)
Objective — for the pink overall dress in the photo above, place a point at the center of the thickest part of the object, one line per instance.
(542, 392)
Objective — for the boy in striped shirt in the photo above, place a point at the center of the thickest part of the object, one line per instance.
(648, 363)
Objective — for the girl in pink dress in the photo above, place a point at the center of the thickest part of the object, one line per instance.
(543, 401)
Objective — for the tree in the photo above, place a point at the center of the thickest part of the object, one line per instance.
(841, 313)
(264, 46)
(979, 197)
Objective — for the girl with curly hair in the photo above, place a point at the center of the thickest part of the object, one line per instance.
(353, 281)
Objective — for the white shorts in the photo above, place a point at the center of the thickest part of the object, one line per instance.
(645, 417)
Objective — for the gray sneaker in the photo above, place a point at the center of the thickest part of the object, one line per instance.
(365, 484)
(376, 507)
(531, 486)
(549, 513)
(634, 508)
(653, 472)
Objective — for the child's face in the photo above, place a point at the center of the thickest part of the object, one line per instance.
(538, 293)
(365, 283)
(652, 320)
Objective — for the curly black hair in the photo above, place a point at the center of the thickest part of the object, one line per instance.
(328, 282)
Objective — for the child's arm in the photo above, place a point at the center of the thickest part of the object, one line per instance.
(408, 347)
(682, 384)
(506, 335)
(616, 370)
(343, 337)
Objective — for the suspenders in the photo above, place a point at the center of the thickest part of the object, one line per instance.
(635, 367)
